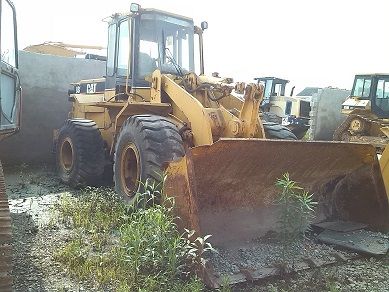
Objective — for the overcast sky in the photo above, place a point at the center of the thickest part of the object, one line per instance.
(311, 43)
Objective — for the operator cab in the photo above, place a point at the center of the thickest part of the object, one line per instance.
(370, 91)
(273, 87)
(146, 40)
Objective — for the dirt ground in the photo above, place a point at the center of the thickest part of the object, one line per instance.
(32, 191)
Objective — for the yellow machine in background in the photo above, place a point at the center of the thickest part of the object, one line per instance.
(10, 105)
(367, 111)
(152, 114)
(290, 111)
(67, 50)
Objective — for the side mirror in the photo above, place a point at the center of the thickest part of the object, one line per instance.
(134, 7)
(204, 25)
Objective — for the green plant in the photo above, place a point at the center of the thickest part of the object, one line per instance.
(297, 209)
(134, 247)
(225, 286)
(195, 250)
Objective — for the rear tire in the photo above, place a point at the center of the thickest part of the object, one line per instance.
(144, 144)
(80, 153)
(277, 131)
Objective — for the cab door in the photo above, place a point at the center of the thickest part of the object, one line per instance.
(380, 102)
(10, 92)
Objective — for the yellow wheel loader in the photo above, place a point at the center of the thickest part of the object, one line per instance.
(10, 105)
(367, 111)
(289, 111)
(152, 115)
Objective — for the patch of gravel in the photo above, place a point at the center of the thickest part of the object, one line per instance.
(367, 274)
(36, 238)
(263, 254)
(33, 191)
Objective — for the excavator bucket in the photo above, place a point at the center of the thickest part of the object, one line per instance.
(227, 190)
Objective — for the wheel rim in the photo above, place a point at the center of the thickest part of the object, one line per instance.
(66, 154)
(357, 125)
(129, 171)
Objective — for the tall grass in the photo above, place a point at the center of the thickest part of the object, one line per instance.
(129, 248)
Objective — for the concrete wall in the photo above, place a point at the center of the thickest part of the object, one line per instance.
(326, 113)
(45, 81)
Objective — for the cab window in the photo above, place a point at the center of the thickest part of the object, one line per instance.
(111, 50)
(382, 88)
(366, 88)
(278, 89)
(123, 48)
(268, 87)
(382, 96)
(8, 44)
(362, 87)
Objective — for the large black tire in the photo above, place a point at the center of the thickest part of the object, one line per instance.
(80, 155)
(144, 145)
(271, 117)
(277, 131)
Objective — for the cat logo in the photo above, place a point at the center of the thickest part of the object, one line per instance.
(91, 88)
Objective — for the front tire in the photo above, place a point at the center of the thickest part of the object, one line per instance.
(144, 144)
(80, 155)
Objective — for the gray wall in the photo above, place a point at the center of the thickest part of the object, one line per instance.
(326, 113)
(45, 81)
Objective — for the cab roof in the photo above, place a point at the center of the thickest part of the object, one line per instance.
(120, 16)
(372, 74)
(271, 78)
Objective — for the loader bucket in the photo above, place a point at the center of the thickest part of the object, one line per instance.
(227, 189)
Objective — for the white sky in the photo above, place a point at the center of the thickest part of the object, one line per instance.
(309, 42)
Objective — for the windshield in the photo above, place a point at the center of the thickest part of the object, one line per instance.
(166, 43)
(362, 87)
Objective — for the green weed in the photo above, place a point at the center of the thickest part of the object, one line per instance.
(129, 247)
(296, 214)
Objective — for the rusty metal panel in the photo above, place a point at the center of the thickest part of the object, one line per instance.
(5, 239)
(231, 183)
(227, 189)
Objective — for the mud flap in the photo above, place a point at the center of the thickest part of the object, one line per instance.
(227, 189)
